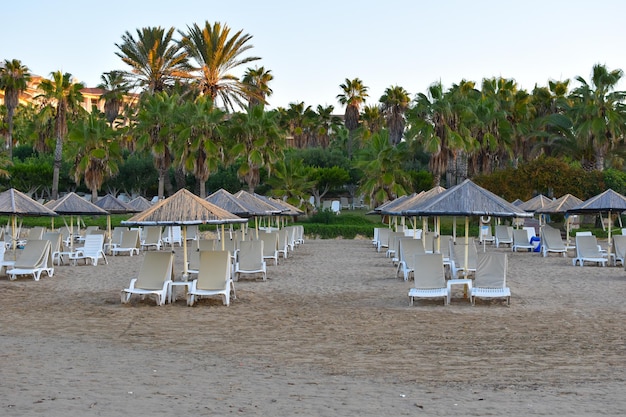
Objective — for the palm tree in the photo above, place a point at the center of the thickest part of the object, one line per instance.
(155, 58)
(598, 112)
(296, 121)
(433, 122)
(394, 103)
(216, 53)
(154, 129)
(290, 180)
(257, 82)
(373, 120)
(257, 143)
(324, 125)
(65, 97)
(383, 175)
(198, 148)
(353, 96)
(116, 88)
(96, 151)
(14, 78)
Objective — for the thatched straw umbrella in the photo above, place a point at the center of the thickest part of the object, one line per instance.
(561, 205)
(607, 202)
(536, 203)
(14, 203)
(257, 206)
(140, 203)
(182, 209)
(230, 203)
(467, 199)
(74, 205)
(113, 205)
(285, 208)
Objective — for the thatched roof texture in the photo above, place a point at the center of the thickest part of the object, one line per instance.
(607, 201)
(537, 202)
(113, 205)
(182, 208)
(140, 203)
(285, 208)
(73, 204)
(560, 205)
(14, 202)
(256, 205)
(467, 199)
(229, 202)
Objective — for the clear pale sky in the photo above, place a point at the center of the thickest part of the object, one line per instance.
(311, 47)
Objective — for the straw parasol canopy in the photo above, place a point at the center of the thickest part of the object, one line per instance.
(72, 205)
(257, 206)
(607, 202)
(14, 203)
(391, 203)
(182, 209)
(535, 203)
(467, 199)
(114, 205)
(140, 203)
(286, 208)
(561, 205)
(229, 202)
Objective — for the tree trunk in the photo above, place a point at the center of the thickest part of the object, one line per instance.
(10, 133)
(58, 159)
(94, 195)
(161, 189)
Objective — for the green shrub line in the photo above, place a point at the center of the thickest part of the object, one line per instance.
(322, 225)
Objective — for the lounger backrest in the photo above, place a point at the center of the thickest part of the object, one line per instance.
(491, 270)
(55, 240)
(383, 236)
(457, 253)
(410, 247)
(93, 244)
(270, 242)
(118, 232)
(283, 240)
(192, 232)
(551, 238)
(36, 254)
(157, 267)
(130, 239)
(429, 272)
(153, 234)
(619, 244)
(214, 270)
(587, 246)
(251, 254)
(520, 237)
(36, 233)
(444, 245)
(502, 233)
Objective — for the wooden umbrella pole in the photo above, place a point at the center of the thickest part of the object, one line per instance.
(185, 260)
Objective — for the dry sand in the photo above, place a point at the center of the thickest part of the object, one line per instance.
(329, 334)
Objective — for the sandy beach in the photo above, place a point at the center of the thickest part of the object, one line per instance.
(330, 333)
